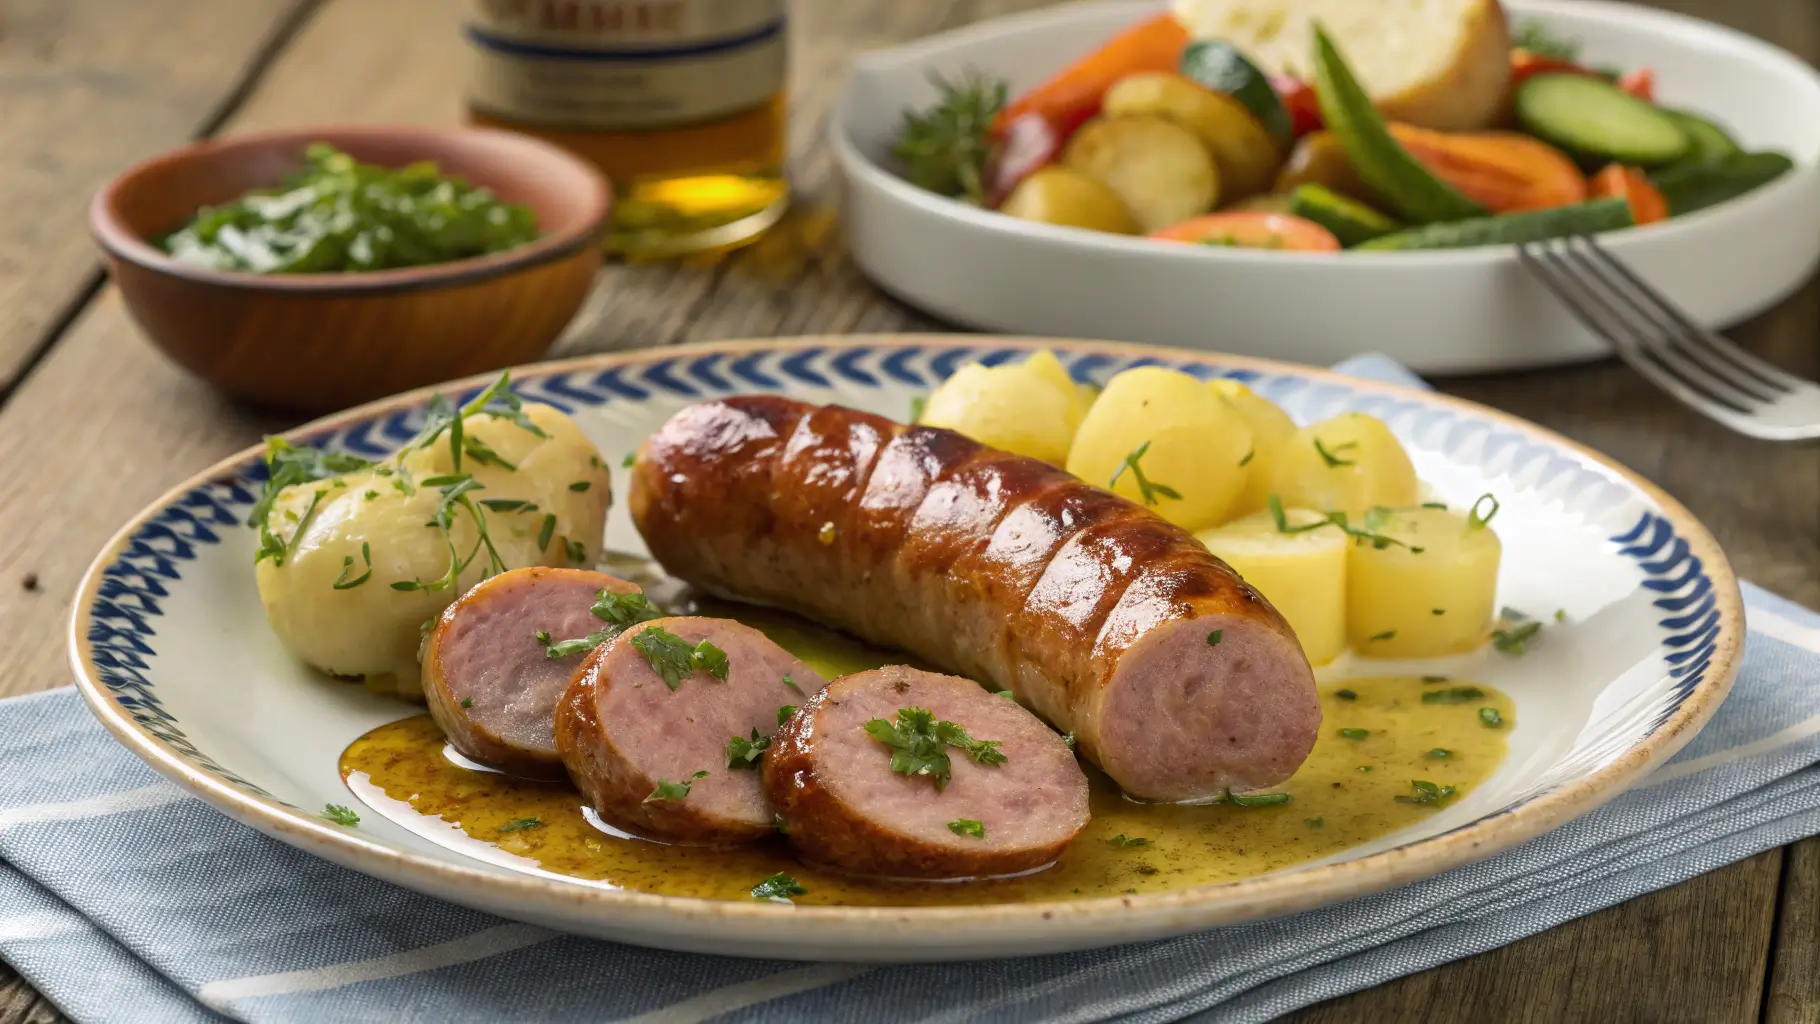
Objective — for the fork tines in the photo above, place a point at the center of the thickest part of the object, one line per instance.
(1660, 341)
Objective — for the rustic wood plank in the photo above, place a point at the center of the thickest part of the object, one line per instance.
(22, 1004)
(1694, 952)
(1794, 984)
(90, 86)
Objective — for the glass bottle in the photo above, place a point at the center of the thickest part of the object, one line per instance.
(679, 102)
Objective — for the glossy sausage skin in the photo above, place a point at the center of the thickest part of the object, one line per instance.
(1177, 678)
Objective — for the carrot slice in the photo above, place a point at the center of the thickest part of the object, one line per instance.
(1074, 94)
(1505, 172)
(1647, 204)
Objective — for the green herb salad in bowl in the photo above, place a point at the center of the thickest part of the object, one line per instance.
(320, 267)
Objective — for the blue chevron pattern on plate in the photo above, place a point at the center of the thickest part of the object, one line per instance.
(172, 634)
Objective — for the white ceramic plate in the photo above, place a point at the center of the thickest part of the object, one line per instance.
(1437, 312)
(173, 653)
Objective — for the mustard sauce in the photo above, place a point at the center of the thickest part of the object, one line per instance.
(1378, 737)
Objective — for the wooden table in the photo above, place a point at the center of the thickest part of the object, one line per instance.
(94, 424)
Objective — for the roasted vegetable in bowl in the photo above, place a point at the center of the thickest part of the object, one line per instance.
(1383, 127)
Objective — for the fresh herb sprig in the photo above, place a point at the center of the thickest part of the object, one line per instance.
(779, 888)
(919, 745)
(673, 659)
(1150, 489)
(619, 611)
(947, 147)
(673, 790)
(744, 753)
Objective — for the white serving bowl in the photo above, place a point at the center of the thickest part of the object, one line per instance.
(1455, 311)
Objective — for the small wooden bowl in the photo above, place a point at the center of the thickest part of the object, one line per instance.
(315, 343)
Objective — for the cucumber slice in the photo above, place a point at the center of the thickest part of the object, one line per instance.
(1706, 142)
(1405, 185)
(1351, 221)
(1218, 65)
(1690, 187)
(1595, 119)
(1530, 226)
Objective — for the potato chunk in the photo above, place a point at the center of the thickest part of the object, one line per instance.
(1030, 408)
(1057, 195)
(1271, 428)
(1301, 572)
(1430, 592)
(1243, 150)
(1349, 463)
(1163, 438)
(372, 522)
(1158, 168)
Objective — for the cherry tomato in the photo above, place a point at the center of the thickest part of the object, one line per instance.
(1647, 204)
(1299, 99)
(1030, 142)
(1523, 64)
(1253, 230)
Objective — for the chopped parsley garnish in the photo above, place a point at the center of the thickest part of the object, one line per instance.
(1255, 799)
(629, 461)
(1453, 695)
(286, 465)
(1427, 793)
(743, 753)
(1147, 487)
(455, 488)
(673, 790)
(467, 702)
(1374, 518)
(1246, 461)
(919, 745)
(968, 827)
(1068, 739)
(1354, 734)
(1214, 638)
(347, 565)
(917, 404)
(1331, 456)
(1476, 520)
(576, 551)
(778, 887)
(547, 531)
(671, 657)
(340, 815)
(1515, 631)
(784, 713)
(1007, 694)
(1560, 615)
(791, 683)
(581, 485)
(619, 611)
(1434, 679)
(522, 823)
(1315, 822)
(1389, 634)
(1121, 841)
(1346, 694)
(1440, 754)
(1490, 719)
(1437, 611)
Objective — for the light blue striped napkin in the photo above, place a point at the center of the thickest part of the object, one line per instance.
(124, 900)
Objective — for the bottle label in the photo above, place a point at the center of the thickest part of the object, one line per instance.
(630, 64)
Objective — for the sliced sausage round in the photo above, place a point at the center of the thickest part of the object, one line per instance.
(490, 684)
(634, 743)
(842, 803)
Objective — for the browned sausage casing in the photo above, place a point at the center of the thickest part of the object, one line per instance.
(1177, 678)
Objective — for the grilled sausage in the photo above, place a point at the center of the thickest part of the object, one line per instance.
(1178, 679)
(840, 802)
(623, 732)
(489, 683)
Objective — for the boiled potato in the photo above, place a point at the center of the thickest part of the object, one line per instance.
(1271, 428)
(1319, 159)
(1045, 363)
(1349, 464)
(1244, 151)
(1030, 408)
(372, 629)
(1158, 168)
(1057, 195)
(1302, 573)
(1430, 593)
(1187, 443)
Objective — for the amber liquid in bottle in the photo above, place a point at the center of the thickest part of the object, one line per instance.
(679, 102)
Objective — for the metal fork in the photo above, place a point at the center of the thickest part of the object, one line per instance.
(1706, 372)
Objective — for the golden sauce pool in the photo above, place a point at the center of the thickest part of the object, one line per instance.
(1378, 737)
